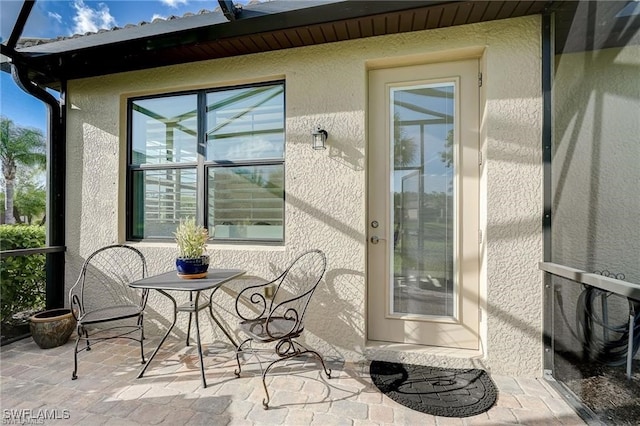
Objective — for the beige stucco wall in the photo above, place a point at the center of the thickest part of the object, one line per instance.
(326, 190)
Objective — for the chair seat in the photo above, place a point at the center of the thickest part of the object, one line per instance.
(279, 327)
(111, 313)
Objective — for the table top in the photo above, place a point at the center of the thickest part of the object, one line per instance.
(171, 281)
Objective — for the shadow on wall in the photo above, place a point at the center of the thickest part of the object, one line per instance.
(345, 308)
(344, 153)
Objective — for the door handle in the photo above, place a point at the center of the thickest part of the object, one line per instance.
(375, 239)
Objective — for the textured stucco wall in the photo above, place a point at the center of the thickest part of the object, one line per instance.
(326, 190)
(513, 185)
(595, 161)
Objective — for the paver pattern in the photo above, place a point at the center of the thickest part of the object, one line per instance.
(37, 382)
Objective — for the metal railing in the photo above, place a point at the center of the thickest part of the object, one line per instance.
(29, 251)
(609, 283)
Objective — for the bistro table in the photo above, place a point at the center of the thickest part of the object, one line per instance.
(170, 281)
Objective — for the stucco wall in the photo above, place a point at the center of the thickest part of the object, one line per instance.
(326, 190)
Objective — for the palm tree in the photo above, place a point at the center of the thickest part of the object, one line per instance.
(18, 146)
(404, 147)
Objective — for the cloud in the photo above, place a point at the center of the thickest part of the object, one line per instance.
(91, 20)
(55, 16)
(173, 3)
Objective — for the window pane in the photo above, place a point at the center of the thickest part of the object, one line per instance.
(245, 123)
(164, 130)
(160, 199)
(247, 202)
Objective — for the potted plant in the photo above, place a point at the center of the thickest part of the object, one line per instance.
(191, 238)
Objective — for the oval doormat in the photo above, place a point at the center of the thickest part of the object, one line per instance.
(447, 392)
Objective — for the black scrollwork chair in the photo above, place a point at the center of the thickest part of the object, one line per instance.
(279, 319)
(101, 295)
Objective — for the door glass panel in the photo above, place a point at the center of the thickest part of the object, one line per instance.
(422, 182)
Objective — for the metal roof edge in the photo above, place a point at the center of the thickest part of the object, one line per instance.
(262, 17)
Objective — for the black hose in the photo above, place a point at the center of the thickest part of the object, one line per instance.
(592, 328)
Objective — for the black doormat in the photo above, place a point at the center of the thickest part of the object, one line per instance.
(447, 392)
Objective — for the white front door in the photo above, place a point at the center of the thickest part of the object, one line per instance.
(423, 230)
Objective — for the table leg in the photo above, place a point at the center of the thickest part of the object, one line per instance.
(204, 381)
(175, 317)
(233, 342)
(190, 315)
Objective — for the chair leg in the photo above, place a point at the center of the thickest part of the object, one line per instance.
(301, 349)
(294, 349)
(142, 345)
(238, 350)
(141, 325)
(327, 371)
(265, 401)
(74, 375)
(86, 336)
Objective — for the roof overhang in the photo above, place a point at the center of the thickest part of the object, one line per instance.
(263, 27)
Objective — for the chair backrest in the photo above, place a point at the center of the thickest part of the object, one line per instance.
(295, 287)
(104, 279)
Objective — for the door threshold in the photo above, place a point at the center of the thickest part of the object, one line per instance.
(436, 356)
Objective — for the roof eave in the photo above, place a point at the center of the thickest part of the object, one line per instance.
(94, 57)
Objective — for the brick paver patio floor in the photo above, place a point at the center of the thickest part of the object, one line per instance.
(36, 388)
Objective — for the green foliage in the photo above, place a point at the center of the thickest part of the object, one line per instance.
(31, 201)
(19, 147)
(191, 239)
(22, 278)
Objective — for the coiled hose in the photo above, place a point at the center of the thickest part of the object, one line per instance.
(604, 342)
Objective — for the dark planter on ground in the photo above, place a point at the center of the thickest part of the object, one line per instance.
(52, 328)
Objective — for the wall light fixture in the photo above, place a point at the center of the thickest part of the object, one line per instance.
(319, 138)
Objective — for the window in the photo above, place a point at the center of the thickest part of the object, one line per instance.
(217, 155)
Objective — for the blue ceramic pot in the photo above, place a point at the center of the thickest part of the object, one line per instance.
(190, 266)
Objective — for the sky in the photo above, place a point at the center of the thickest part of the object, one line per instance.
(53, 18)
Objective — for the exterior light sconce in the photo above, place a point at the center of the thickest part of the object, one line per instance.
(319, 138)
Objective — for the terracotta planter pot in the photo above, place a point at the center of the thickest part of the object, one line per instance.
(52, 328)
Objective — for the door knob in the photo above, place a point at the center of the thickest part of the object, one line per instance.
(375, 240)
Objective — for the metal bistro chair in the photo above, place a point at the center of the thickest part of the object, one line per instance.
(279, 318)
(101, 295)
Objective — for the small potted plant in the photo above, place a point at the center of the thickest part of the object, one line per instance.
(192, 260)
